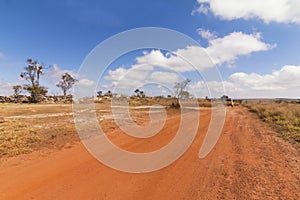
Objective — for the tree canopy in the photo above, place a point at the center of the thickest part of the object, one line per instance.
(66, 83)
(32, 74)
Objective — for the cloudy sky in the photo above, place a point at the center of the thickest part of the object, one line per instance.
(254, 44)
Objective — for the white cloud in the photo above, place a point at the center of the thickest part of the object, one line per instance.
(285, 78)
(137, 72)
(201, 9)
(228, 48)
(116, 75)
(170, 61)
(85, 82)
(206, 34)
(163, 77)
(284, 82)
(56, 72)
(195, 55)
(132, 77)
(5, 88)
(219, 51)
(53, 76)
(137, 76)
(213, 88)
(281, 11)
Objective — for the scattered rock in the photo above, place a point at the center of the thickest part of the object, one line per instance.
(45, 99)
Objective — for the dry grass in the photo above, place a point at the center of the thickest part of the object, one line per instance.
(284, 117)
(27, 127)
(20, 136)
(17, 138)
(148, 101)
(204, 103)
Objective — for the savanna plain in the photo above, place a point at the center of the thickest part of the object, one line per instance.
(256, 157)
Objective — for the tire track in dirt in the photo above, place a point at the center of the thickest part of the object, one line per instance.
(255, 168)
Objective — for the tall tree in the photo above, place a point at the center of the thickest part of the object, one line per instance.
(179, 88)
(32, 75)
(66, 83)
(180, 93)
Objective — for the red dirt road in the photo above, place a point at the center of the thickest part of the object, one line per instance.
(248, 162)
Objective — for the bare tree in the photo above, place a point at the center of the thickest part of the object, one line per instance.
(179, 88)
(180, 93)
(32, 75)
(66, 83)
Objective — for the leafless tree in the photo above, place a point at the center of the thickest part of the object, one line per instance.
(180, 93)
(179, 88)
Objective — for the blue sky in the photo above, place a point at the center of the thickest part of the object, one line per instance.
(255, 49)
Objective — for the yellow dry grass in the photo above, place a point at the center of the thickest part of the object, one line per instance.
(17, 138)
(284, 117)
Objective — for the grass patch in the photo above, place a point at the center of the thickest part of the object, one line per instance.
(21, 136)
(16, 138)
(283, 117)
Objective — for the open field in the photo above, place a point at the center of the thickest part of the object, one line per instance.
(34, 127)
(248, 162)
(27, 128)
(30, 127)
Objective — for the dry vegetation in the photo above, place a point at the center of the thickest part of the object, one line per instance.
(17, 138)
(149, 101)
(283, 117)
(28, 127)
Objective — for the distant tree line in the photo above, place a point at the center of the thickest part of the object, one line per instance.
(34, 71)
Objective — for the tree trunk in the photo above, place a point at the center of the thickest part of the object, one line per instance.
(65, 93)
